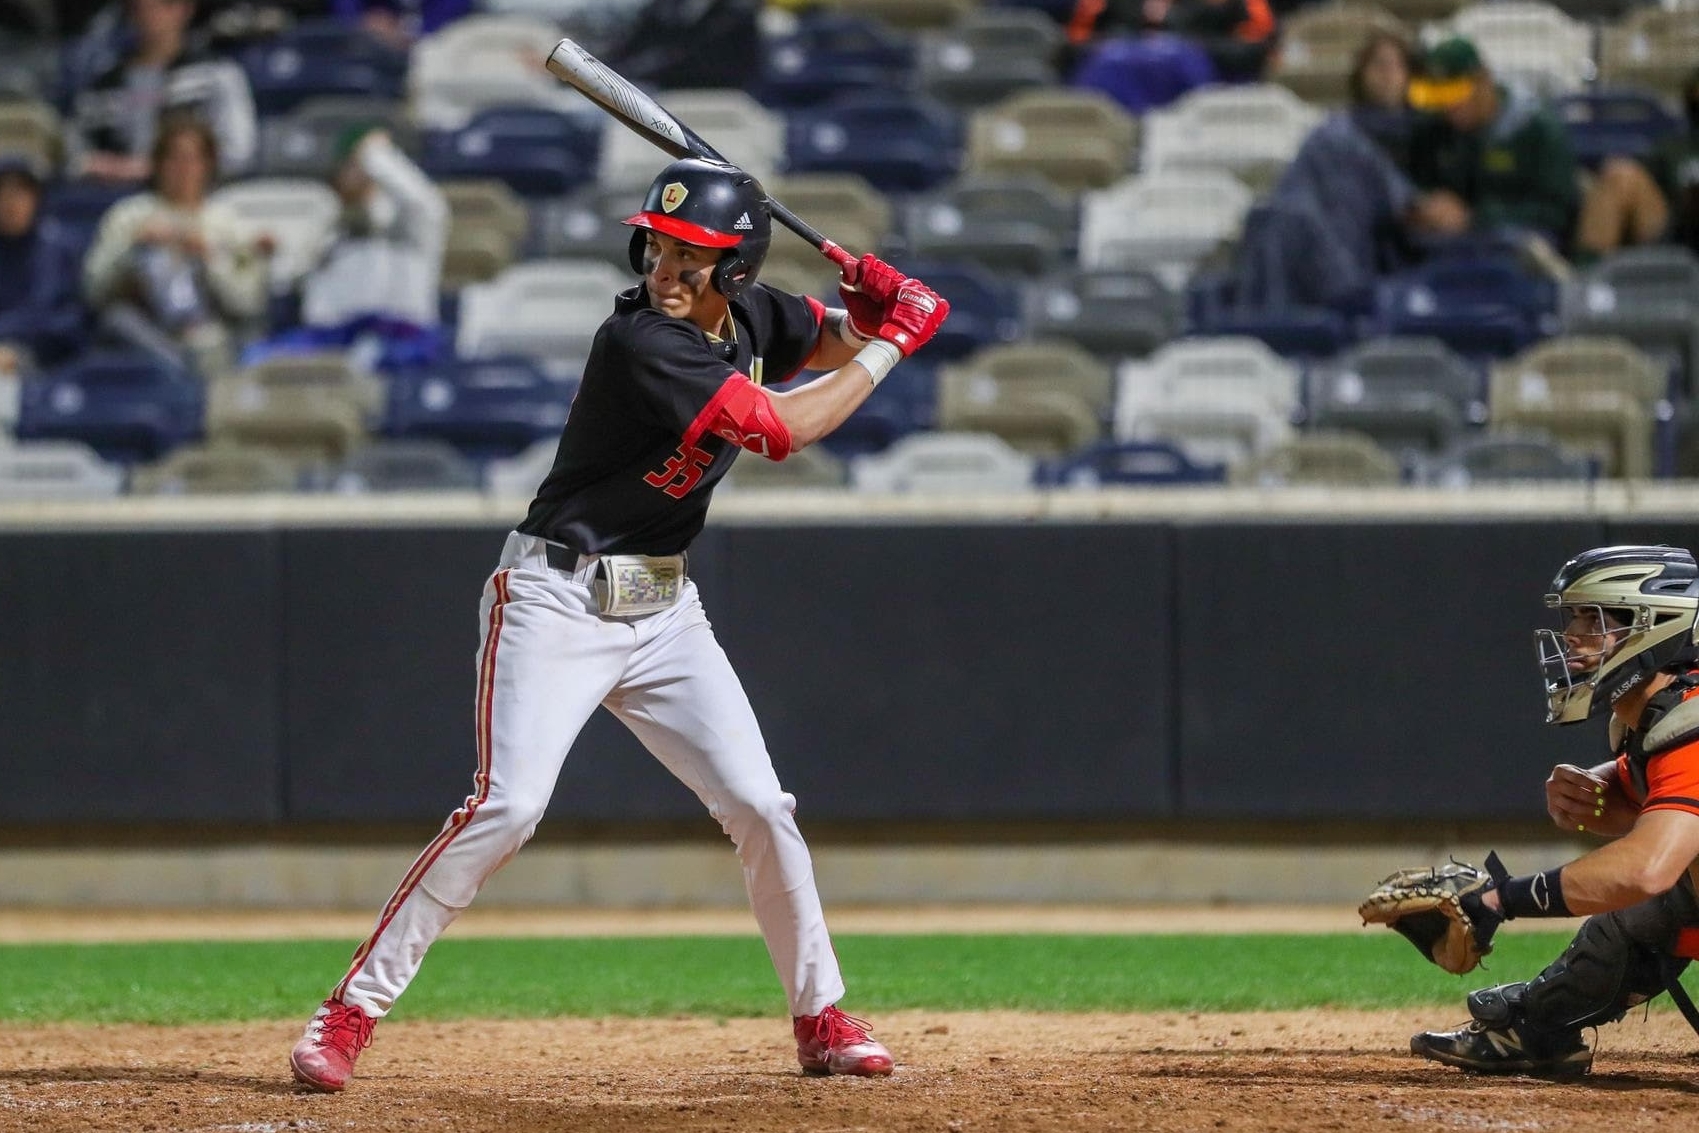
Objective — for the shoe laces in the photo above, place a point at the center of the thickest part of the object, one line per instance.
(345, 1029)
(835, 1029)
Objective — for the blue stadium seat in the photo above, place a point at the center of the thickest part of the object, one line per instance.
(1611, 123)
(537, 152)
(1127, 462)
(487, 408)
(321, 58)
(906, 401)
(1487, 307)
(830, 53)
(79, 205)
(899, 143)
(985, 308)
(128, 407)
(1059, 10)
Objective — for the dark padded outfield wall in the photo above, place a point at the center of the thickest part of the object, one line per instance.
(1369, 670)
(957, 672)
(139, 677)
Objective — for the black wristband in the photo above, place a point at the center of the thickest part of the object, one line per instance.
(1537, 895)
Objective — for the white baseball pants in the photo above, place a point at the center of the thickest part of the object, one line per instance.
(547, 658)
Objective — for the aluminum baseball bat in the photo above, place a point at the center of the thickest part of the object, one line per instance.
(650, 120)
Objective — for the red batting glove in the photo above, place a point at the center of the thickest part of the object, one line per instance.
(866, 291)
(913, 316)
(865, 313)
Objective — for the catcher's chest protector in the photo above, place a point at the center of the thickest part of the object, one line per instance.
(1668, 721)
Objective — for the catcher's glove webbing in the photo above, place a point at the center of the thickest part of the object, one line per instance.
(1439, 910)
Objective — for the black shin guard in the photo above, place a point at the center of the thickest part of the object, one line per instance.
(1616, 961)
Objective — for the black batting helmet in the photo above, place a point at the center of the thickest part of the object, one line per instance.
(712, 204)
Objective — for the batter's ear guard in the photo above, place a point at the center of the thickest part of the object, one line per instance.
(732, 275)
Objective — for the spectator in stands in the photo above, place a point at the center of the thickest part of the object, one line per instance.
(41, 312)
(171, 272)
(161, 68)
(399, 23)
(384, 260)
(1487, 155)
(1238, 35)
(1646, 203)
(1335, 220)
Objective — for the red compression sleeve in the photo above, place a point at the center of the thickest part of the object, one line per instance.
(743, 414)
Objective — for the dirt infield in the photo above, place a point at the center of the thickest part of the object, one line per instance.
(1165, 1073)
(1267, 1073)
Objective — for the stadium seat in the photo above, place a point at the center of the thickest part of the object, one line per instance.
(488, 224)
(519, 476)
(899, 143)
(1077, 139)
(1163, 222)
(1319, 42)
(1010, 223)
(1231, 370)
(216, 469)
(127, 407)
(1412, 395)
(56, 470)
(585, 226)
(1143, 73)
(402, 466)
(1652, 49)
(31, 126)
(319, 58)
(488, 408)
(1250, 131)
(1294, 332)
(1043, 398)
(303, 143)
(1478, 307)
(548, 310)
(985, 308)
(299, 214)
(1612, 123)
(1131, 463)
(481, 61)
(309, 408)
(856, 214)
(812, 467)
(1599, 395)
(747, 133)
(989, 54)
(1506, 458)
(1113, 314)
(944, 462)
(537, 152)
(905, 402)
(1330, 458)
(79, 205)
(829, 53)
(1530, 42)
(1210, 432)
(1649, 296)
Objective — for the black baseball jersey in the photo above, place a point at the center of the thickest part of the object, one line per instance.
(636, 466)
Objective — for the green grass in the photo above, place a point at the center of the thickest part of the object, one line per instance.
(170, 983)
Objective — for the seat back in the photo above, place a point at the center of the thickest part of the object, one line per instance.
(830, 52)
(1318, 44)
(989, 54)
(546, 309)
(403, 466)
(56, 470)
(1651, 48)
(1610, 123)
(1165, 222)
(481, 61)
(1113, 314)
(1129, 463)
(898, 142)
(944, 462)
(1531, 42)
(299, 214)
(747, 133)
(1076, 139)
(1334, 458)
(1010, 223)
(1251, 132)
(812, 467)
(216, 469)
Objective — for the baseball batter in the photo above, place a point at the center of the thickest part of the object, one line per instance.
(1625, 645)
(592, 602)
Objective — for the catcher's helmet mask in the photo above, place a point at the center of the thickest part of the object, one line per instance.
(1624, 613)
(713, 205)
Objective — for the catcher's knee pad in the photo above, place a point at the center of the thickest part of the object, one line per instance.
(1608, 968)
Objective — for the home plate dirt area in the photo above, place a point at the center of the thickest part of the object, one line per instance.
(1265, 1072)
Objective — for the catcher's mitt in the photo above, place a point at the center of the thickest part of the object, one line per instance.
(1439, 910)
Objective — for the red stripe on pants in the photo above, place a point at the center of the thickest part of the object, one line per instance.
(480, 788)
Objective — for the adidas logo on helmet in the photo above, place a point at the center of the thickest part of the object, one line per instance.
(743, 224)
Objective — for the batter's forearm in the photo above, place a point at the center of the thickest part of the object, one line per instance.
(812, 411)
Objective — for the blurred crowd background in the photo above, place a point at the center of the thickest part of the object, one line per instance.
(336, 245)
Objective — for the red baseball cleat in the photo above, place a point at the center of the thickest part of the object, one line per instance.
(833, 1043)
(336, 1034)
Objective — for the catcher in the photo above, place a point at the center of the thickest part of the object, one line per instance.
(1626, 645)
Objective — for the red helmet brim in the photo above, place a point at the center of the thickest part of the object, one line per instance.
(683, 230)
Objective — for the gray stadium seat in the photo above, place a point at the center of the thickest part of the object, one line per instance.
(303, 142)
(991, 53)
(1334, 458)
(56, 470)
(1649, 296)
(1408, 394)
(403, 466)
(812, 467)
(1113, 314)
(1505, 458)
(1043, 398)
(1015, 222)
(216, 469)
(1077, 139)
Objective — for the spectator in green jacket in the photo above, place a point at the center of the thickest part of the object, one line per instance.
(1487, 155)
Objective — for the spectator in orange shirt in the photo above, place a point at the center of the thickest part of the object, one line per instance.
(1237, 34)
(1625, 648)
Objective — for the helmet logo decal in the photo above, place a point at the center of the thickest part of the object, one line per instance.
(743, 224)
(673, 195)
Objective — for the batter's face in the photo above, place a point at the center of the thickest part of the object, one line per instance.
(679, 278)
